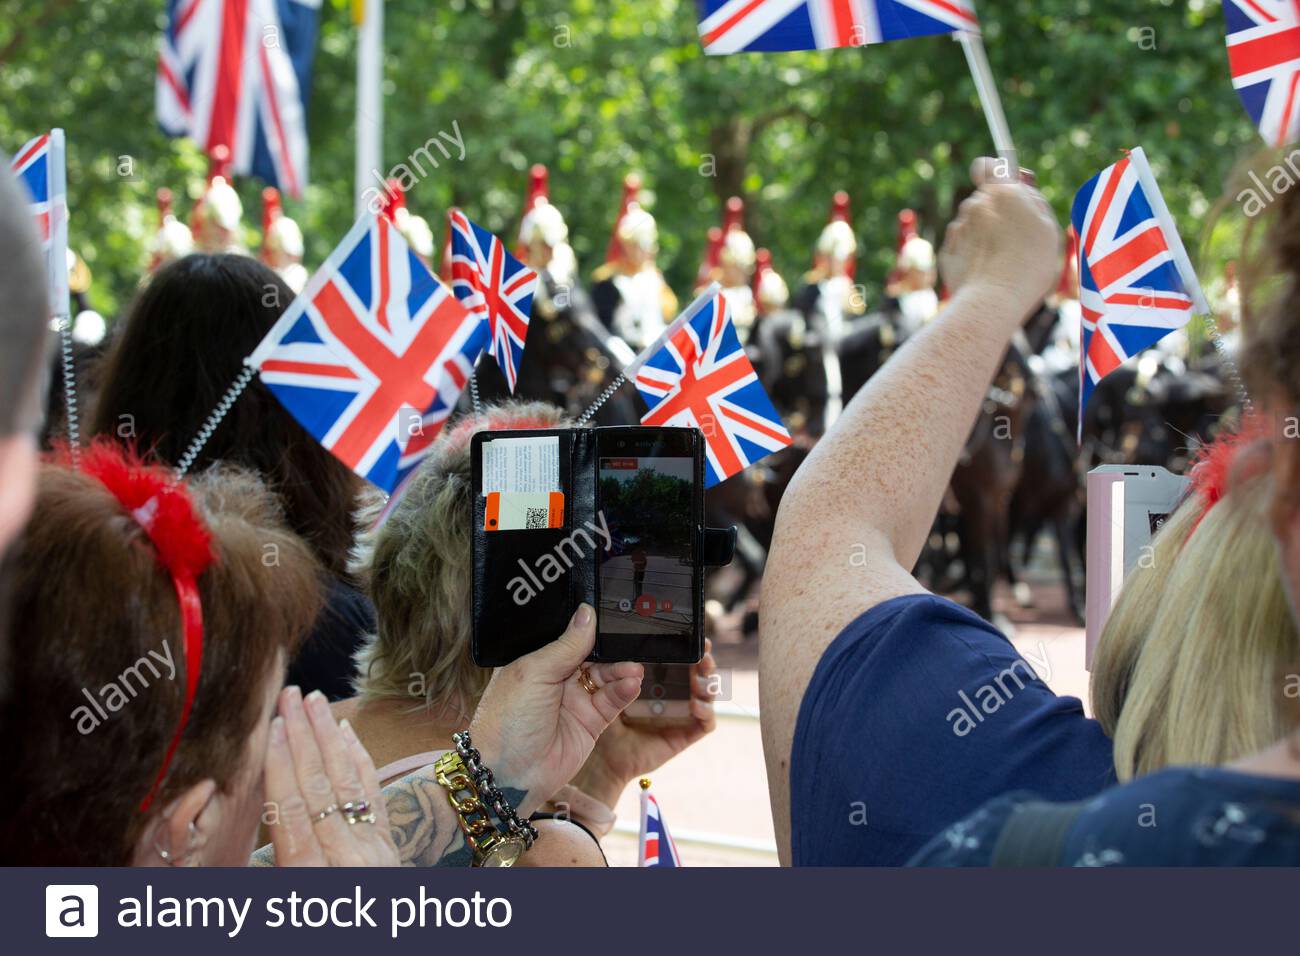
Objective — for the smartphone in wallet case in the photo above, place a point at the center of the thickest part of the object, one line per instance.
(613, 517)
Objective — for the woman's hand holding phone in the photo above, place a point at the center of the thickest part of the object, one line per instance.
(628, 750)
(537, 724)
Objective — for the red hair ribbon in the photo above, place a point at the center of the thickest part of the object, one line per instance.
(163, 509)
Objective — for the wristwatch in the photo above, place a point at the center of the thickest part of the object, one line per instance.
(489, 845)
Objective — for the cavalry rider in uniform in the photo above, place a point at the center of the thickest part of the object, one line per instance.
(282, 244)
(630, 294)
(216, 220)
(911, 285)
(829, 299)
(544, 238)
(560, 302)
(414, 229)
(173, 240)
(729, 260)
(736, 262)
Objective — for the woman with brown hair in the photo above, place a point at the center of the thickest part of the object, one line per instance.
(182, 345)
(151, 639)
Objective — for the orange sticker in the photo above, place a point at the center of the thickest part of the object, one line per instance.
(523, 510)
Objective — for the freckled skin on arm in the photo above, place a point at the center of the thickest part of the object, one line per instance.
(855, 517)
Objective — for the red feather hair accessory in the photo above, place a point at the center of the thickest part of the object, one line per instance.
(164, 510)
(1213, 463)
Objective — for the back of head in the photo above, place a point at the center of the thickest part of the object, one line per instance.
(1206, 687)
(184, 342)
(24, 342)
(24, 311)
(99, 668)
(419, 574)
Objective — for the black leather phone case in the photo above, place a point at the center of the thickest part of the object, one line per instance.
(517, 608)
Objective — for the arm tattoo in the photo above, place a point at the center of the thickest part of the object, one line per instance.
(423, 824)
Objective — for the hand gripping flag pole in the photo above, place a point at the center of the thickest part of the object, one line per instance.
(691, 311)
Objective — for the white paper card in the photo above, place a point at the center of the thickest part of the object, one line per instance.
(522, 464)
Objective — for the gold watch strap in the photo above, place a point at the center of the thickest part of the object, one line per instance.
(474, 818)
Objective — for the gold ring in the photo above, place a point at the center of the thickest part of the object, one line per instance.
(332, 808)
(584, 678)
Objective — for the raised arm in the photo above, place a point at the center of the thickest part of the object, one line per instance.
(855, 517)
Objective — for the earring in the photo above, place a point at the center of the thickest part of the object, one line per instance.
(168, 857)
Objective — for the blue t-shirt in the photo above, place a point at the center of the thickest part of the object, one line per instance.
(1183, 816)
(919, 713)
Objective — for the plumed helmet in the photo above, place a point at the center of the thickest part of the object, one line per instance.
(637, 228)
(631, 194)
(221, 205)
(770, 291)
(738, 249)
(416, 231)
(281, 236)
(173, 240)
(916, 255)
(544, 222)
(837, 241)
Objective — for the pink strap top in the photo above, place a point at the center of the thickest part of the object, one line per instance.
(400, 768)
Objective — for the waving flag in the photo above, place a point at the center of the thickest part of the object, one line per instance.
(236, 73)
(656, 844)
(700, 377)
(373, 354)
(735, 26)
(1136, 282)
(40, 165)
(1264, 58)
(496, 287)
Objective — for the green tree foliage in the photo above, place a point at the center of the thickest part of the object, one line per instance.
(598, 88)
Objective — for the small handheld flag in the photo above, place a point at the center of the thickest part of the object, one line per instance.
(1136, 281)
(494, 286)
(735, 26)
(41, 165)
(699, 376)
(656, 844)
(237, 74)
(774, 26)
(373, 355)
(1264, 59)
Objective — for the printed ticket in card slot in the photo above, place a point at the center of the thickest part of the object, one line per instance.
(523, 510)
(529, 464)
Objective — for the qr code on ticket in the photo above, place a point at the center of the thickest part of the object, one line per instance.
(537, 518)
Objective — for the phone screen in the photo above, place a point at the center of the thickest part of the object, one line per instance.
(647, 572)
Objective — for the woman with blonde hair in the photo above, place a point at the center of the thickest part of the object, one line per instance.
(1222, 630)
(416, 678)
(1202, 618)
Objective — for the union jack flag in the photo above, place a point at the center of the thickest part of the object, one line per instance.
(496, 287)
(735, 26)
(372, 356)
(701, 378)
(1264, 58)
(1136, 282)
(656, 844)
(40, 165)
(236, 73)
